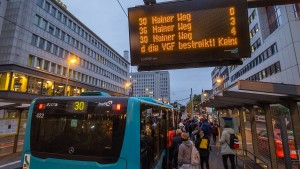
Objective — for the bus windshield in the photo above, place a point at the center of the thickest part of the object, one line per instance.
(94, 134)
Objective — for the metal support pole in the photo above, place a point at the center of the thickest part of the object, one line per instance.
(295, 118)
(270, 134)
(192, 103)
(15, 148)
(67, 83)
(242, 128)
(253, 131)
(285, 143)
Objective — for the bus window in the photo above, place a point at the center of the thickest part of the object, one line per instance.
(91, 135)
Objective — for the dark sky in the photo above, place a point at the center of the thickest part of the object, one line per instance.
(107, 19)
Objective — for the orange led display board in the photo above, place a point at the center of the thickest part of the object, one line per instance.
(183, 32)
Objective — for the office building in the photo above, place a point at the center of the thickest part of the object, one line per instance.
(275, 46)
(154, 84)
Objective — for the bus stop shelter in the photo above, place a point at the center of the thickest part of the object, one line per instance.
(266, 116)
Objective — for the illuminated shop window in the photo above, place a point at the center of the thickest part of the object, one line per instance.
(48, 87)
(59, 89)
(34, 85)
(19, 82)
(4, 80)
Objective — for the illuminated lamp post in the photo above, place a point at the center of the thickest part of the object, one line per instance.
(127, 85)
(72, 60)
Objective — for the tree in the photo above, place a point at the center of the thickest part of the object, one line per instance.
(196, 103)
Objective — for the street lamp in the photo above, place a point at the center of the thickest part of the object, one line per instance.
(127, 85)
(219, 80)
(72, 60)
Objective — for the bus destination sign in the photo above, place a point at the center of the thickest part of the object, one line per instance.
(189, 32)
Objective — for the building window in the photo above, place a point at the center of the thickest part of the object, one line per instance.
(53, 11)
(59, 89)
(59, 69)
(42, 43)
(37, 20)
(47, 6)
(46, 65)
(34, 40)
(274, 17)
(48, 47)
(4, 80)
(51, 29)
(297, 10)
(43, 24)
(48, 87)
(19, 82)
(40, 3)
(59, 14)
(31, 61)
(54, 51)
(38, 63)
(255, 45)
(254, 30)
(34, 85)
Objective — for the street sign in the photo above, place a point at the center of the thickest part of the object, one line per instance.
(188, 32)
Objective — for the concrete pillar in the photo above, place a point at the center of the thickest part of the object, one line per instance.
(242, 128)
(270, 133)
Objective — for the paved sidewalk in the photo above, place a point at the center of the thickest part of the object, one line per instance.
(10, 158)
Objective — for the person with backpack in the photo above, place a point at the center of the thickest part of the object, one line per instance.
(202, 143)
(188, 155)
(227, 142)
(176, 141)
(206, 128)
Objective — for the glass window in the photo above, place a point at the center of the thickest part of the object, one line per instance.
(34, 85)
(38, 63)
(53, 66)
(277, 67)
(40, 3)
(64, 19)
(48, 47)
(53, 11)
(48, 87)
(64, 71)
(274, 17)
(30, 61)
(34, 40)
(46, 65)
(51, 28)
(60, 53)
(59, 69)
(43, 24)
(57, 31)
(47, 6)
(37, 20)
(63, 129)
(4, 80)
(19, 82)
(59, 14)
(54, 51)
(62, 35)
(59, 89)
(42, 43)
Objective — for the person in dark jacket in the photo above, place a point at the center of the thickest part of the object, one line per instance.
(176, 141)
(203, 151)
(215, 132)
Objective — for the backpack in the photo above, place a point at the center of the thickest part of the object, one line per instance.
(195, 156)
(234, 142)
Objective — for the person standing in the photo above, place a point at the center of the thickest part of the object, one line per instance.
(202, 144)
(226, 151)
(215, 132)
(185, 152)
(176, 142)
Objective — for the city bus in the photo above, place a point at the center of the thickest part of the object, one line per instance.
(94, 132)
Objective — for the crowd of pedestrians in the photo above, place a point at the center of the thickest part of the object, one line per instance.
(201, 135)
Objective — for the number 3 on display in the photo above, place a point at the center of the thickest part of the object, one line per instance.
(79, 105)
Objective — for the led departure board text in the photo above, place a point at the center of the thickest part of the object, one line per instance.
(175, 32)
(188, 31)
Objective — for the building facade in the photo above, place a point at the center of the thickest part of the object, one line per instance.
(154, 84)
(38, 39)
(275, 46)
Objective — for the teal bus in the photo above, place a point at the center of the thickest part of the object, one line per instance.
(95, 132)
